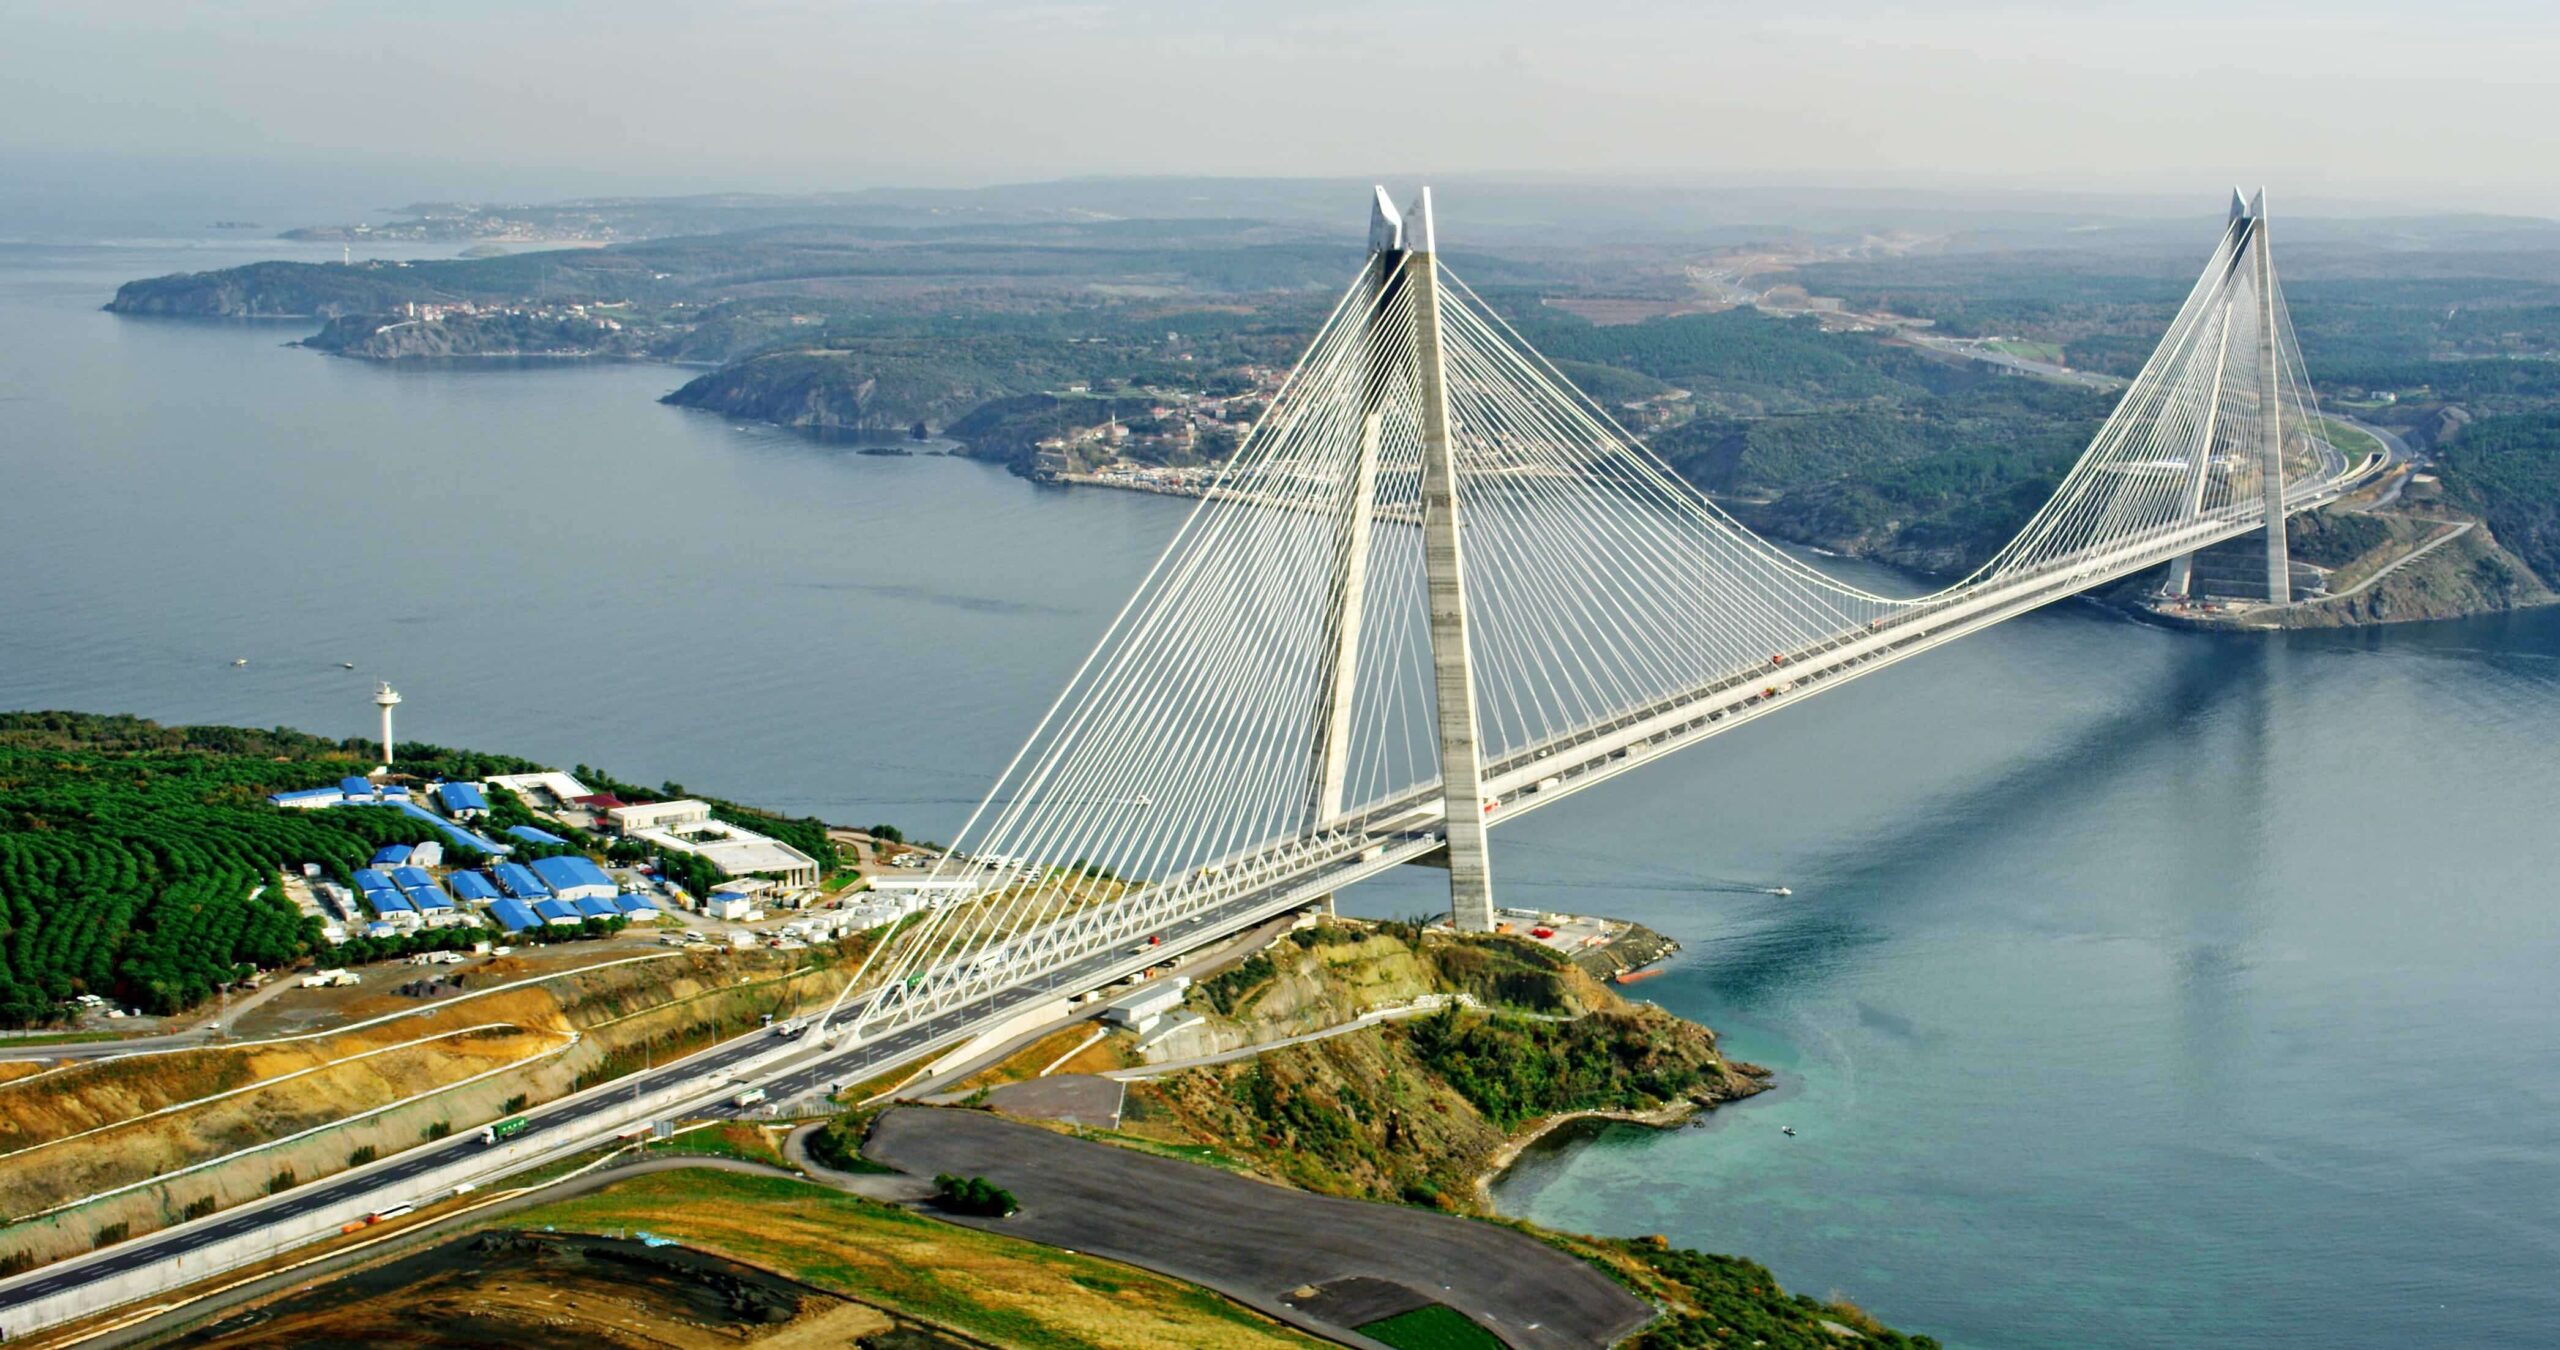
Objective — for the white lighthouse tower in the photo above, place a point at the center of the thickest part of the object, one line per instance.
(386, 698)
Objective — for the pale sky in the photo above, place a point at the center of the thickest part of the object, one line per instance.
(2452, 101)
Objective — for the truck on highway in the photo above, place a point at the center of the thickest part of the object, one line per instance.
(788, 1029)
(505, 1129)
(747, 1098)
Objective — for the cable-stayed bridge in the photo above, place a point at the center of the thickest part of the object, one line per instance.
(1437, 587)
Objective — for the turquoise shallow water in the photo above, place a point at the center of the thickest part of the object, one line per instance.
(2137, 988)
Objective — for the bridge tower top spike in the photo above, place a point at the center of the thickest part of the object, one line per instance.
(1418, 232)
(1386, 225)
(2239, 205)
(2258, 205)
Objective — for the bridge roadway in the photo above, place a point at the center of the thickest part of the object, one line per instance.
(1408, 826)
(1088, 950)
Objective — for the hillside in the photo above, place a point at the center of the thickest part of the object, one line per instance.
(1424, 1108)
(200, 1129)
(1420, 1111)
(2507, 471)
(878, 387)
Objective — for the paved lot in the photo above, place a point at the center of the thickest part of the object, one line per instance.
(1257, 1242)
(1076, 1098)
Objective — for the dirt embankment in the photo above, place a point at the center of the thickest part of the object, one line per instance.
(1422, 1109)
(559, 1290)
(142, 1122)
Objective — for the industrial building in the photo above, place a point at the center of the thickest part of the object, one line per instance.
(687, 826)
(520, 882)
(391, 855)
(571, 877)
(474, 887)
(462, 801)
(636, 907)
(596, 907)
(389, 907)
(534, 834)
(1139, 1012)
(559, 913)
(659, 815)
(513, 915)
(547, 790)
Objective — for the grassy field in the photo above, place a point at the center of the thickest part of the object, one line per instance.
(1000, 1289)
(2353, 442)
(2027, 349)
(1431, 1327)
(734, 1139)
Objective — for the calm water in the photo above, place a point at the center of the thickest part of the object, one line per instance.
(2138, 989)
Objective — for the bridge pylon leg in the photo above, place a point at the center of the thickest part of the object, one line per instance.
(2200, 457)
(2270, 401)
(1453, 674)
(1351, 547)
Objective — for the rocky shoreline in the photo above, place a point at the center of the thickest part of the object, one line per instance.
(1671, 1115)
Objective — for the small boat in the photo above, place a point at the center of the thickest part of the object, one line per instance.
(1782, 890)
(1787, 1130)
(239, 661)
(346, 665)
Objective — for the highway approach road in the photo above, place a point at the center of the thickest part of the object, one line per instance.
(585, 1119)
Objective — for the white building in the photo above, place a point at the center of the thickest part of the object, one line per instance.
(559, 788)
(1142, 1010)
(686, 826)
(659, 815)
(928, 892)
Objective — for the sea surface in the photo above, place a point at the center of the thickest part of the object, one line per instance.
(2136, 988)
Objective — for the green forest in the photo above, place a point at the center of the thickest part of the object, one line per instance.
(2507, 471)
(149, 875)
(140, 862)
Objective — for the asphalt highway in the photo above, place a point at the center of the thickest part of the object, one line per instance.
(583, 1120)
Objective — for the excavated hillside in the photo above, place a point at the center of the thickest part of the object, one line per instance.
(172, 1135)
(1420, 1108)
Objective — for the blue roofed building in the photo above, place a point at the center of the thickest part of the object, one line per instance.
(474, 887)
(370, 879)
(559, 913)
(453, 831)
(513, 915)
(573, 878)
(354, 788)
(410, 878)
(462, 801)
(595, 907)
(429, 899)
(308, 798)
(535, 835)
(635, 906)
(391, 855)
(520, 882)
(388, 903)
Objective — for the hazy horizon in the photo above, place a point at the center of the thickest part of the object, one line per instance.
(2353, 103)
